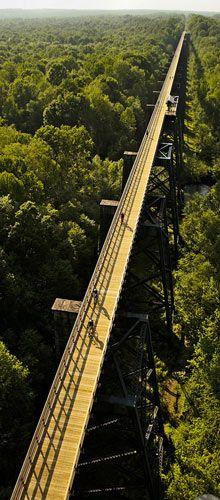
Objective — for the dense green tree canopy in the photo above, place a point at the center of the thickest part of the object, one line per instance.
(16, 413)
(195, 468)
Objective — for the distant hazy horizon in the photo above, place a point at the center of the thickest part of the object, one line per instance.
(170, 5)
(95, 9)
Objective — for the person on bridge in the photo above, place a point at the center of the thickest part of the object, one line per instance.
(95, 294)
(91, 327)
(122, 217)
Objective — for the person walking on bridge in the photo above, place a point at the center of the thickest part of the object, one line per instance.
(122, 217)
(91, 327)
(95, 294)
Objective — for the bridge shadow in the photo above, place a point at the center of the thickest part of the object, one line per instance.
(129, 227)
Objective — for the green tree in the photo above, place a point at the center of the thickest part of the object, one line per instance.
(56, 73)
(16, 414)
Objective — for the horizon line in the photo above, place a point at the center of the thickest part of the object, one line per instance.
(102, 10)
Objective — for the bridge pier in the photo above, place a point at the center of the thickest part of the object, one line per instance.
(149, 278)
(163, 181)
(153, 241)
(173, 132)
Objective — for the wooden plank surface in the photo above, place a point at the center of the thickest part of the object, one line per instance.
(48, 470)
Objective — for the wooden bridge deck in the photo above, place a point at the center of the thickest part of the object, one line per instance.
(48, 469)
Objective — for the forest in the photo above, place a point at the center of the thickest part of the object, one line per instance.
(194, 426)
(73, 97)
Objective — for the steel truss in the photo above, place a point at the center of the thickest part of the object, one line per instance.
(163, 181)
(165, 175)
(125, 428)
(149, 277)
(173, 133)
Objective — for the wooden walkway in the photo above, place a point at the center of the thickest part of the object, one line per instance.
(48, 469)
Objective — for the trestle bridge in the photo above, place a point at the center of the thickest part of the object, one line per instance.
(100, 434)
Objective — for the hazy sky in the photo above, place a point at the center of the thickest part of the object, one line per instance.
(203, 5)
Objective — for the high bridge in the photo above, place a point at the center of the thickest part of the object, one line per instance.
(95, 443)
